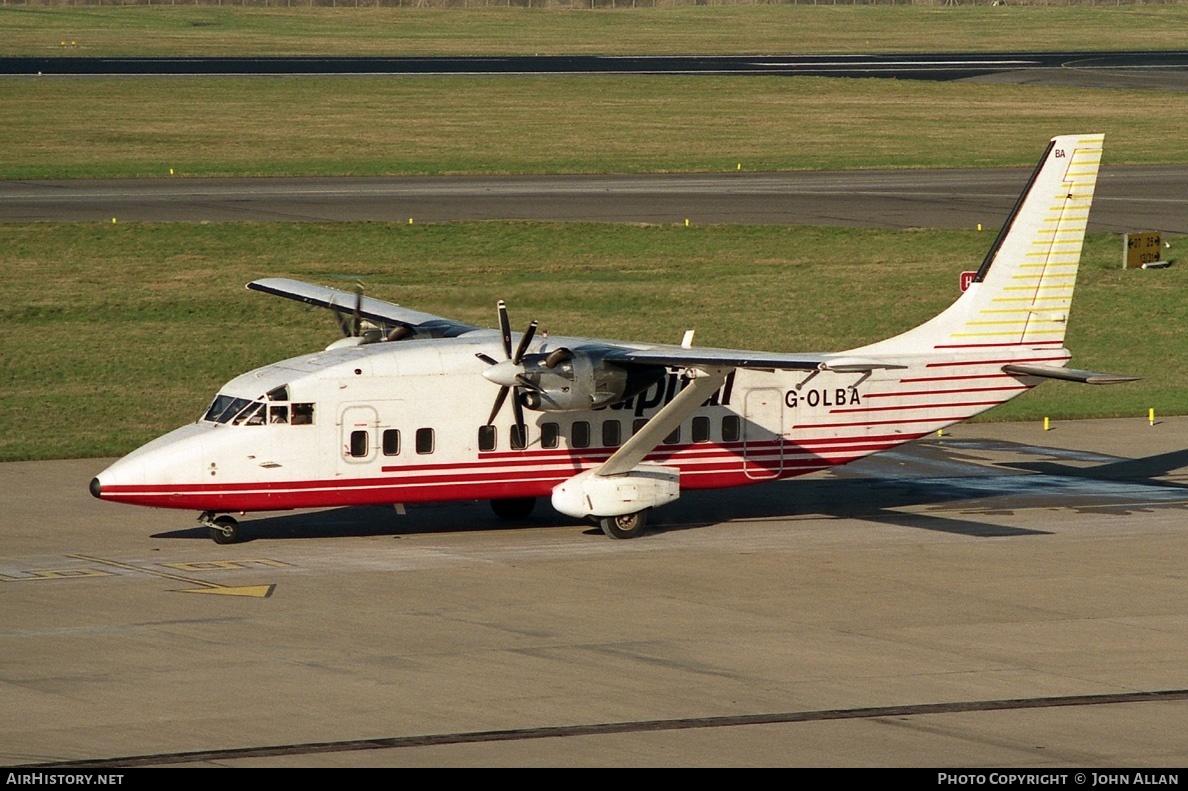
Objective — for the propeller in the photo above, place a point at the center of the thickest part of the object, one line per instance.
(352, 325)
(509, 374)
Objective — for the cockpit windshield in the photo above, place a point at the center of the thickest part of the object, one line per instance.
(270, 408)
(224, 408)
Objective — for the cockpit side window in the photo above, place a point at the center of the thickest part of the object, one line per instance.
(252, 416)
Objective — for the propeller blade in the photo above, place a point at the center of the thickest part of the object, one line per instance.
(527, 384)
(519, 412)
(488, 359)
(505, 329)
(524, 341)
(498, 404)
(344, 323)
(357, 317)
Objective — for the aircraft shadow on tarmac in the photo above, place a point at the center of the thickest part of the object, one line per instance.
(952, 479)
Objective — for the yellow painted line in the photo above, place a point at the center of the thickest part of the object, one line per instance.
(1017, 324)
(255, 591)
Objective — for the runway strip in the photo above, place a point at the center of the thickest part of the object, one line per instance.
(1128, 198)
(522, 734)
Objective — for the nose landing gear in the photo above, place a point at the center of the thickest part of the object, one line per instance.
(223, 529)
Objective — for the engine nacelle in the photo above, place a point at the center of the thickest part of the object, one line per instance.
(580, 380)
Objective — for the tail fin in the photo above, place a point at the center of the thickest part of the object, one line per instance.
(1023, 290)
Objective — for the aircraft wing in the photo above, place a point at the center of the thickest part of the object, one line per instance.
(374, 310)
(681, 357)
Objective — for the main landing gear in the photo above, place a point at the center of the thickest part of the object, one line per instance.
(625, 526)
(223, 529)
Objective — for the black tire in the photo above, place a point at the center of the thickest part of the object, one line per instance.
(225, 530)
(513, 508)
(625, 526)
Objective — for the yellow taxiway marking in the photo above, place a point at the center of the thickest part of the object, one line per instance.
(254, 591)
(55, 574)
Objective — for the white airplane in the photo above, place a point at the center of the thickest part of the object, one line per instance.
(400, 411)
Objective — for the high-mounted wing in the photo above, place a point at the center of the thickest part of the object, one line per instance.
(374, 310)
(683, 357)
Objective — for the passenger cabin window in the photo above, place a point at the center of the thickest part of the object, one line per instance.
(612, 434)
(674, 437)
(550, 435)
(519, 437)
(391, 442)
(731, 428)
(701, 429)
(486, 438)
(638, 424)
(424, 441)
(581, 434)
(358, 444)
(303, 414)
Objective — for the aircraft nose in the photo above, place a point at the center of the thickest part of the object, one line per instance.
(96, 488)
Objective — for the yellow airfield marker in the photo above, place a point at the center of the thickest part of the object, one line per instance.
(253, 591)
(113, 222)
(1047, 426)
(1151, 416)
(686, 222)
(739, 166)
(410, 220)
(979, 226)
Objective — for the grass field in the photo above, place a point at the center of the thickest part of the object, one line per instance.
(113, 334)
(760, 29)
(70, 128)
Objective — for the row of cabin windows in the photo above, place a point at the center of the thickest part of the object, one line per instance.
(550, 436)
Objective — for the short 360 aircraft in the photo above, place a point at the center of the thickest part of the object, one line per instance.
(409, 407)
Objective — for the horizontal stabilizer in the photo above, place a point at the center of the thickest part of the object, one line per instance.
(1068, 374)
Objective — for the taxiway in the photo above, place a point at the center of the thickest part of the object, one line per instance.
(998, 596)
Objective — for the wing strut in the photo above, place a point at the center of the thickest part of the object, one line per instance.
(702, 384)
(623, 488)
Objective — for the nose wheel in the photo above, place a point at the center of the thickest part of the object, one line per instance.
(223, 529)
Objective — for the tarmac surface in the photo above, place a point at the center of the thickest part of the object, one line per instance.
(1088, 67)
(1000, 596)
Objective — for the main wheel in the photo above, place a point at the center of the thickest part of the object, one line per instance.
(513, 508)
(224, 530)
(625, 526)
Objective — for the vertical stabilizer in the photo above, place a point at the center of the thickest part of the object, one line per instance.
(1023, 290)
